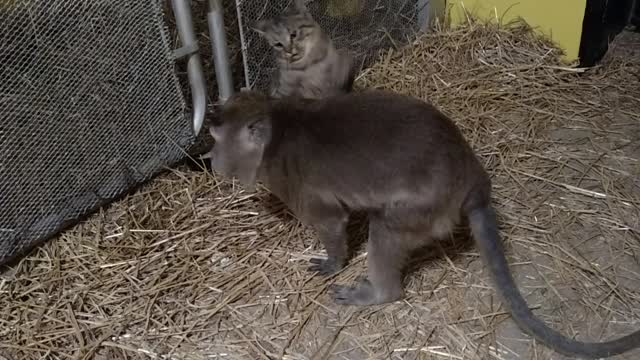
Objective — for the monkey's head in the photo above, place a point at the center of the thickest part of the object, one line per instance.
(241, 135)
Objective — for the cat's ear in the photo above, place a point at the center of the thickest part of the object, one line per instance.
(261, 26)
(300, 7)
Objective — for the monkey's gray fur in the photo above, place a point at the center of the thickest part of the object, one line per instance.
(397, 158)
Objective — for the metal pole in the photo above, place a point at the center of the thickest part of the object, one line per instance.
(184, 23)
(219, 49)
(243, 46)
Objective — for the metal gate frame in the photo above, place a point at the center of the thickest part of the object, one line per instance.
(87, 203)
(197, 82)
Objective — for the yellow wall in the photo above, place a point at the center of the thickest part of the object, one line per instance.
(561, 20)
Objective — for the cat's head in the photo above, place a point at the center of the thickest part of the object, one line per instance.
(291, 35)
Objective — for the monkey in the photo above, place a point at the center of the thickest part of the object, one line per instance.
(397, 158)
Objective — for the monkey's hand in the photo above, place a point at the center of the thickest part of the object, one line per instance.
(325, 267)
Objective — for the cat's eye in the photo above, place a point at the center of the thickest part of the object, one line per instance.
(278, 45)
(293, 35)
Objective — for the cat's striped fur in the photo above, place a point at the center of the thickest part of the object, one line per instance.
(309, 65)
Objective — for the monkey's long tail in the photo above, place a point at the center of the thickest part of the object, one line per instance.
(485, 231)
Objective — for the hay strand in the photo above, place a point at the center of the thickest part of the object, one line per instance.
(192, 267)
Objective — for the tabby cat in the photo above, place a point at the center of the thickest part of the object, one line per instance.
(309, 65)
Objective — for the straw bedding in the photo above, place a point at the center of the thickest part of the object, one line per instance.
(192, 267)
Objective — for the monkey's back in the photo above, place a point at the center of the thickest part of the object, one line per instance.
(375, 147)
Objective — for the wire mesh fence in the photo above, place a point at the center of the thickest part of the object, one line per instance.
(89, 107)
(373, 25)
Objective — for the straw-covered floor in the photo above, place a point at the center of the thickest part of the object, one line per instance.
(192, 267)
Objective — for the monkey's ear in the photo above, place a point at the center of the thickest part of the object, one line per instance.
(214, 134)
(259, 130)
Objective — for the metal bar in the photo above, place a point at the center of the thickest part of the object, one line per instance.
(184, 51)
(432, 11)
(424, 14)
(184, 23)
(243, 45)
(219, 48)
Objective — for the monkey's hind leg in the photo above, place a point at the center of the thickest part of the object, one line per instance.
(330, 222)
(387, 255)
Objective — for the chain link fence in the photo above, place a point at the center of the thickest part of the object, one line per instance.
(89, 107)
(363, 26)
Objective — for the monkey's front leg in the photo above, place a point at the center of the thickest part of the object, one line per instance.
(330, 222)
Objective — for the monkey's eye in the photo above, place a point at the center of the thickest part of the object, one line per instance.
(278, 45)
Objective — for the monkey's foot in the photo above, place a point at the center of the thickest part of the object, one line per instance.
(325, 267)
(363, 294)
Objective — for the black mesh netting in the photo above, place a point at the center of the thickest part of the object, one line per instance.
(89, 106)
(375, 25)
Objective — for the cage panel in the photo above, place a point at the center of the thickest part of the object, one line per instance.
(363, 26)
(90, 106)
